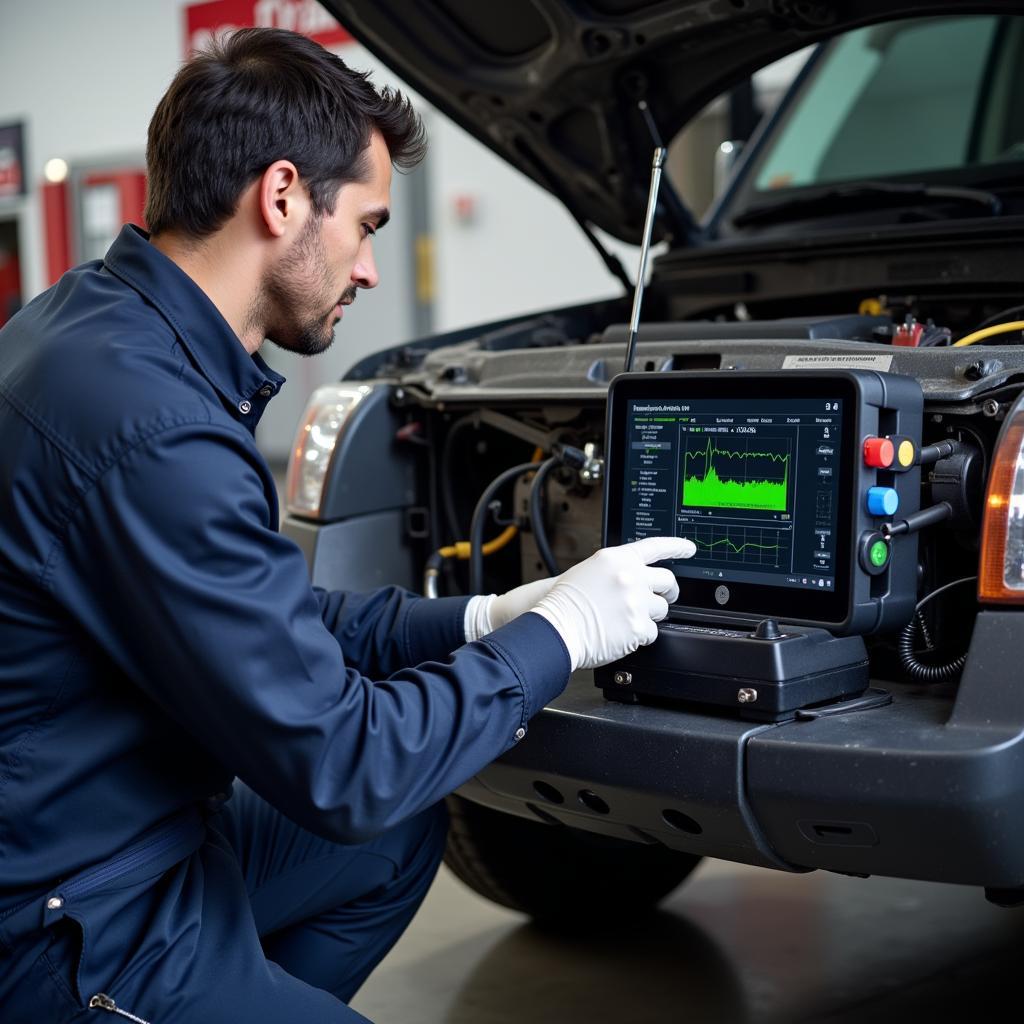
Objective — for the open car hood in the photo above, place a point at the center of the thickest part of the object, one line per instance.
(553, 86)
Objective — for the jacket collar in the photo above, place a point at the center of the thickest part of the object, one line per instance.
(245, 382)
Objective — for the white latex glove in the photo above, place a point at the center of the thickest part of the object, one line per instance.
(607, 606)
(488, 612)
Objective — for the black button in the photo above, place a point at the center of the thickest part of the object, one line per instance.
(266, 391)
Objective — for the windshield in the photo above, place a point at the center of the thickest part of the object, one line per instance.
(904, 98)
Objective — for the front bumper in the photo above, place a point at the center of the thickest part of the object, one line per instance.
(929, 787)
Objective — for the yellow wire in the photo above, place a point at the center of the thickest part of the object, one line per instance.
(1014, 325)
(462, 548)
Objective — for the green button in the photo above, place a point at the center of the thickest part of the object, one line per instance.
(879, 553)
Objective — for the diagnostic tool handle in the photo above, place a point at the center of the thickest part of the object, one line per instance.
(919, 520)
(934, 452)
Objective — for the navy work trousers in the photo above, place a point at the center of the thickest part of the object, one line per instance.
(266, 924)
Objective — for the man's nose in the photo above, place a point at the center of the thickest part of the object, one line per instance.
(364, 273)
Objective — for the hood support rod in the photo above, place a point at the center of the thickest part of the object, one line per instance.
(638, 295)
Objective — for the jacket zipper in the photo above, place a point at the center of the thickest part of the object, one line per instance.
(101, 1001)
(122, 865)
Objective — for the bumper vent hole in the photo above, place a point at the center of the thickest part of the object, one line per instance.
(681, 822)
(548, 792)
(593, 802)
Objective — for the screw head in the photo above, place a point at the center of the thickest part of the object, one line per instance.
(747, 695)
(623, 678)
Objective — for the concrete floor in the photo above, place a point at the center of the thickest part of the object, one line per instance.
(734, 944)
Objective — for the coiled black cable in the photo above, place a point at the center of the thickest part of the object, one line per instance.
(916, 669)
(476, 530)
(540, 533)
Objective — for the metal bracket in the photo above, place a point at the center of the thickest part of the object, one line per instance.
(534, 435)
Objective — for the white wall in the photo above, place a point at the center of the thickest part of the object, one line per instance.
(85, 77)
(521, 252)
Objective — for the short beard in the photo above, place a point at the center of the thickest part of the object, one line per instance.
(281, 307)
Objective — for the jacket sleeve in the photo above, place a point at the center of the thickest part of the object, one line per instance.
(391, 628)
(212, 615)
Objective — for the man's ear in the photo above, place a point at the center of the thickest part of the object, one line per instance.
(283, 201)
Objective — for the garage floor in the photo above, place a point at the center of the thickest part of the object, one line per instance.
(734, 944)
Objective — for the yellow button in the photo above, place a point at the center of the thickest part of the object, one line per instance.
(906, 453)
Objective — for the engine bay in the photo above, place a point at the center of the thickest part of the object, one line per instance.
(486, 409)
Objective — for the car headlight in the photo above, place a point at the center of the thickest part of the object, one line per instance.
(1001, 568)
(328, 410)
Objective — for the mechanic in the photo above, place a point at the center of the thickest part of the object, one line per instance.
(161, 639)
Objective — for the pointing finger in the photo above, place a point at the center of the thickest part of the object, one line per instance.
(656, 549)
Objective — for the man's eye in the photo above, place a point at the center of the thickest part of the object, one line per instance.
(369, 229)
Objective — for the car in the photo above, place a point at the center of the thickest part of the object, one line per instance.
(873, 224)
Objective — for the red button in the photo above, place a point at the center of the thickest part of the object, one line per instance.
(879, 452)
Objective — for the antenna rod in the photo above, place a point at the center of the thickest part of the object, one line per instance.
(638, 294)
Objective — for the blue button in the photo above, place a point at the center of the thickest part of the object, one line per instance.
(883, 501)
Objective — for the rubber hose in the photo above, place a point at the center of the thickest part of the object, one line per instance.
(540, 534)
(447, 496)
(476, 530)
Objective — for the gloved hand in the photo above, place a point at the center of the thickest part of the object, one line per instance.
(606, 606)
(488, 612)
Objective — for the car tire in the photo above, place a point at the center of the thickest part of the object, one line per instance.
(562, 877)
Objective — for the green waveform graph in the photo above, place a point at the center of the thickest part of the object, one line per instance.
(752, 546)
(725, 478)
(736, 549)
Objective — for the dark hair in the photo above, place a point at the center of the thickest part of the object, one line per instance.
(256, 96)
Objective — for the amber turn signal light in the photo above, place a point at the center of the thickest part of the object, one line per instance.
(1001, 565)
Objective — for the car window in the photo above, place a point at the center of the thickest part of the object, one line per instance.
(902, 98)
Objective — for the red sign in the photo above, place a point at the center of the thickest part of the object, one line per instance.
(206, 20)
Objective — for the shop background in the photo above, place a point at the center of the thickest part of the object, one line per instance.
(471, 240)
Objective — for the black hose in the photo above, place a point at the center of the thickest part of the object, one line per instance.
(996, 317)
(476, 530)
(916, 669)
(447, 495)
(537, 502)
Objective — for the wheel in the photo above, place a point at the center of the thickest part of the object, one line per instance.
(558, 875)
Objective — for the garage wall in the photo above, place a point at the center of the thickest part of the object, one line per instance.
(85, 77)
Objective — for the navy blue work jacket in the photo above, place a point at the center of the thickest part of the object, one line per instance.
(159, 637)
